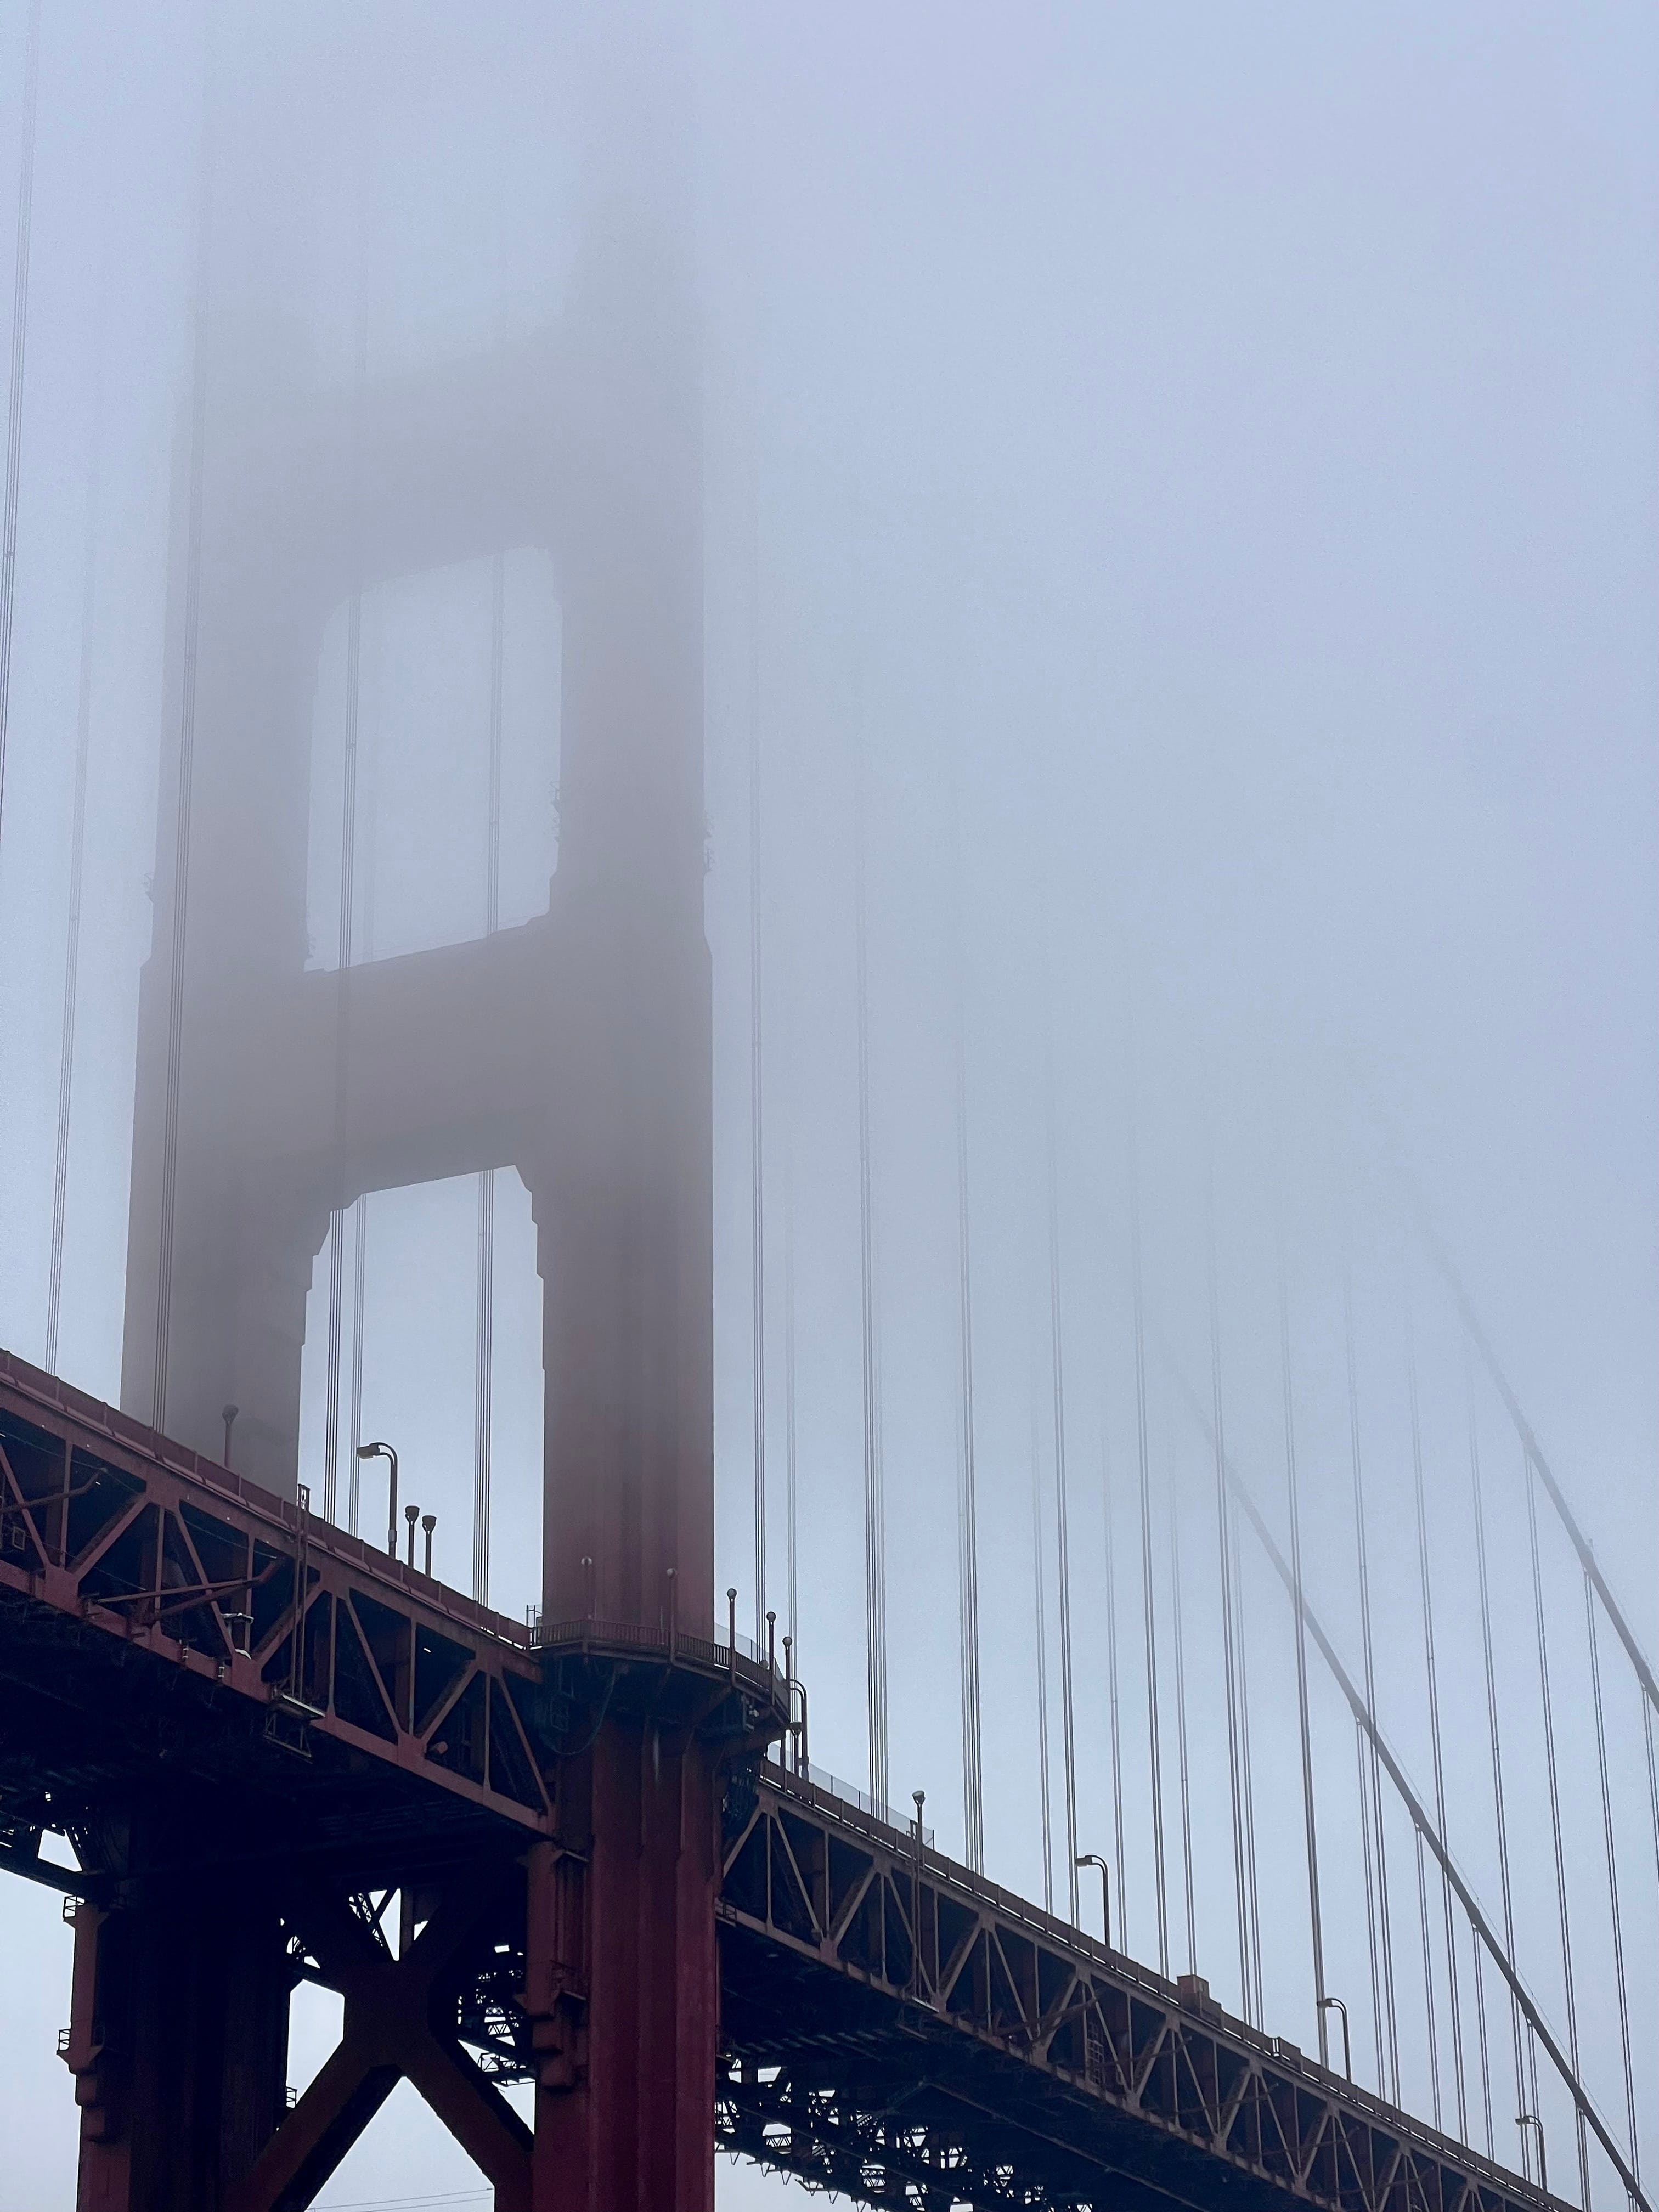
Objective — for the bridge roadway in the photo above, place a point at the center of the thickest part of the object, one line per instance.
(892, 2024)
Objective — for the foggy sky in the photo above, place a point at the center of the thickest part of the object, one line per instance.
(1197, 468)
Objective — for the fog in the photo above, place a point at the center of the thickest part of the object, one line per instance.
(1180, 521)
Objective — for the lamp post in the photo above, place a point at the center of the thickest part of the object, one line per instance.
(1094, 1859)
(382, 1450)
(428, 1522)
(1335, 2004)
(411, 1515)
(1523, 2121)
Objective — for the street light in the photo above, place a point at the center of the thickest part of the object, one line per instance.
(1094, 1859)
(1335, 2004)
(379, 1450)
(1523, 2121)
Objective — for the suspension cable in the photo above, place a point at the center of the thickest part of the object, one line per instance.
(343, 1041)
(790, 1498)
(1502, 1955)
(973, 1789)
(1612, 1876)
(1368, 1756)
(1477, 1336)
(1062, 1545)
(1113, 1706)
(756, 1096)
(1250, 1783)
(875, 1536)
(184, 771)
(1224, 1520)
(1181, 1730)
(1429, 2006)
(1148, 1596)
(1433, 1679)
(1291, 1487)
(1377, 2042)
(1555, 1814)
(1042, 1664)
(1485, 2054)
(483, 1399)
(20, 311)
(78, 849)
(1493, 1731)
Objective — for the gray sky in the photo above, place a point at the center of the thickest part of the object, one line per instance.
(1202, 462)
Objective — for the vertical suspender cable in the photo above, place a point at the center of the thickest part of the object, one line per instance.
(343, 965)
(1378, 2042)
(1428, 1976)
(77, 856)
(342, 1049)
(756, 1102)
(875, 1533)
(1114, 1709)
(20, 312)
(1555, 1814)
(1147, 1593)
(1181, 1731)
(1613, 1877)
(1260, 2013)
(792, 1517)
(1493, 1732)
(1432, 1679)
(1485, 2053)
(1062, 1541)
(1314, 1914)
(1374, 1771)
(973, 1785)
(359, 1287)
(483, 1404)
(363, 931)
(1042, 1664)
(184, 773)
(1224, 1529)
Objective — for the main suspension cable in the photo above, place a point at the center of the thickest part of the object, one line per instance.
(1314, 1916)
(20, 312)
(1502, 1955)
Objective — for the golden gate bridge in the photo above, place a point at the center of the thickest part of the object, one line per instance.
(581, 1879)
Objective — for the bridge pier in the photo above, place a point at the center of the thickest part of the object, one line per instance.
(623, 1981)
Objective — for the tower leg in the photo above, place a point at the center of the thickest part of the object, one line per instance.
(624, 1979)
(179, 2045)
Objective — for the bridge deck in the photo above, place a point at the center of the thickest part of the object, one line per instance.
(893, 2025)
(903, 2030)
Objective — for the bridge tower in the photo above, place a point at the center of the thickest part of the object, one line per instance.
(576, 1048)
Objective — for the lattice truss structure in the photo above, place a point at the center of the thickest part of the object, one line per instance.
(902, 2030)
